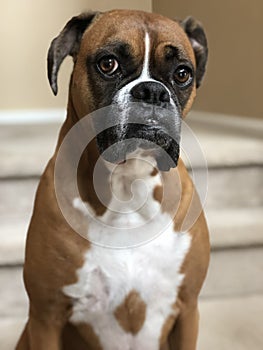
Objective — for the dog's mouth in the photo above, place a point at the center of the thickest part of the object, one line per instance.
(116, 143)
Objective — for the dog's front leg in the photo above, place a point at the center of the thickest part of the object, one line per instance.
(44, 334)
(40, 335)
(184, 333)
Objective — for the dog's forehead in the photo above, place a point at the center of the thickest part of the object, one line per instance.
(131, 27)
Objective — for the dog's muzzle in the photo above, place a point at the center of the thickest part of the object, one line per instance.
(149, 122)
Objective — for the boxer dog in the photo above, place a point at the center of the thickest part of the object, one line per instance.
(102, 272)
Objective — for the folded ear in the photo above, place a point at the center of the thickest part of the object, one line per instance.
(197, 37)
(66, 43)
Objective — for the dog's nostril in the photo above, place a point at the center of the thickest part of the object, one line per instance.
(147, 94)
(165, 97)
(139, 94)
(150, 92)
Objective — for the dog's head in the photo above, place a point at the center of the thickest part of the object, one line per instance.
(144, 65)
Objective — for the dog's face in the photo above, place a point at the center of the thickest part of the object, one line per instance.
(147, 66)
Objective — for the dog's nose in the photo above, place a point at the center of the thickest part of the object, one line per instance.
(150, 92)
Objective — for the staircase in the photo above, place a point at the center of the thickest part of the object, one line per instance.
(232, 298)
(231, 302)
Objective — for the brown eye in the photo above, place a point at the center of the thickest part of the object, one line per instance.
(108, 65)
(183, 76)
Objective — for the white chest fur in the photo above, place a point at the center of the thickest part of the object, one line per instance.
(151, 269)
(107, 277)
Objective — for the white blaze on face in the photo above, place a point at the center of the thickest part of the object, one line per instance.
(122, 98)
(145, 71)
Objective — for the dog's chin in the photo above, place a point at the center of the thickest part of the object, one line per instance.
(164, 161)
(156, 144)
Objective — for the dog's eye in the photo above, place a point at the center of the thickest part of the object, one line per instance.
(183, 75)
(108, 65)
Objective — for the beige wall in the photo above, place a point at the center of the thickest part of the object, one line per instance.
(235, 73)
(27, 27)
(234, 29)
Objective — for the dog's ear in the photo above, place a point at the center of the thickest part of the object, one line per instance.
(197, 37)
(66, 43)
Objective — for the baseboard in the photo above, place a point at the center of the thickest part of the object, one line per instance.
(32, 116)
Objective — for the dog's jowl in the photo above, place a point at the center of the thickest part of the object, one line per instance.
(117, 249)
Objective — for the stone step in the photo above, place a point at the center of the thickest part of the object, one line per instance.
(231, 323)
(234, 156)
(227, 321)
(230, 227)
(26, 149)
(14, 302)
(15, 213)
(222, 325)
(227, 141)
(10, 331)
(13, 307)
(231, 273)
(234, 272)
(233, 187)
(224, 140)
(235, 227)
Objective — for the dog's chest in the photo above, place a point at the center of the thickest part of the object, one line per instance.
(126, 294)
(108, 276)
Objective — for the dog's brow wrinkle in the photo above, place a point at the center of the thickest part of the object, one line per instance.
(125, 49)
(172, 52)
(121, 48)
